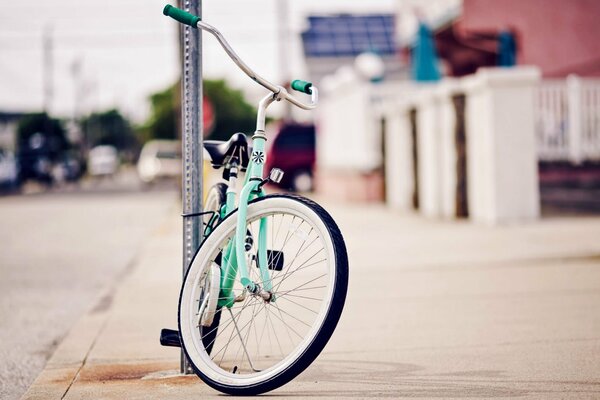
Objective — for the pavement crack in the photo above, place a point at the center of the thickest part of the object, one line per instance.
(84, 361)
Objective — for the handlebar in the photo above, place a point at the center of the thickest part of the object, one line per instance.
(195, 22)
(182, 16)
(302, 86)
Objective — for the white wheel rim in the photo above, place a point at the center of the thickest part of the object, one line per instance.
(214, 277)
(191, 337)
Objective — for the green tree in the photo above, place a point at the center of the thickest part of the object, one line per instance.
(162, 123)
(232, 113)
(51, 130)
(109, 128)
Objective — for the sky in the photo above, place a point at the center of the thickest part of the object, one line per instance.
(109, 53)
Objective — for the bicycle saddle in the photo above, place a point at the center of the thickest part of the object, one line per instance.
(220, 152)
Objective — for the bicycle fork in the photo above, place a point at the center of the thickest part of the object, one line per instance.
(233, 260)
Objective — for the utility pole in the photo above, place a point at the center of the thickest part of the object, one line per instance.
(47, 68)
(283, 28)
(192, 131)
(76, 69)
(74, 132)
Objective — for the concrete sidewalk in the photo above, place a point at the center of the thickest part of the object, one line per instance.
(434, 310)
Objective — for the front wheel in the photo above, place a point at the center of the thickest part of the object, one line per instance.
(263, 344)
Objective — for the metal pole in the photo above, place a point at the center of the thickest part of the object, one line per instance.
(191, 106)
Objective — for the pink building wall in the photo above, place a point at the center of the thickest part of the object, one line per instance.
(562, 37)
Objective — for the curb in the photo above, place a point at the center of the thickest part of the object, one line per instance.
(65, 364)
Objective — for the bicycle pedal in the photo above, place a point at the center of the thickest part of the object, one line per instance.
(170, 338)
(276, 175)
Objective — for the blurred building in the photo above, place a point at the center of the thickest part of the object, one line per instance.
(334, 41)
(481, 142)
(559, 37)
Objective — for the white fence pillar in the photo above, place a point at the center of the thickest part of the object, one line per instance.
(349, 157)
(501, 147)
(447, 142)
(399, 174)
(428, 149)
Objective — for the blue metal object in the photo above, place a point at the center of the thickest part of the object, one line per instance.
(424, 57)
(507, 49)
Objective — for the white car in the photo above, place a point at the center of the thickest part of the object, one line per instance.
(103, 161)
(160, 159)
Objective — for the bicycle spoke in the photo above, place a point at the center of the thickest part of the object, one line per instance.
(299, 320)
(285, 292)
(299, 268)
(303, 297)
(287, 325)
(305, 283)
(300, 249)
(223, 328)
(304, 266)
(274, 331)
(300, 305)
(242, 344)
(224, 348)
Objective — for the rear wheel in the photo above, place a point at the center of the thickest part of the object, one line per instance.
(263, 344)
(215, 199)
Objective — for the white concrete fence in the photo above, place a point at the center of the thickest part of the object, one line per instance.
(568, 120)
(497, 170)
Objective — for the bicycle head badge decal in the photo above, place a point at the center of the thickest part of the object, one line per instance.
(258, 157)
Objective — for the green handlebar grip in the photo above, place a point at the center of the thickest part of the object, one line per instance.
(182, 16)
(302, 86)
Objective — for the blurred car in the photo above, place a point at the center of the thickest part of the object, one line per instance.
(35, 159)
(159, 159)
(103, 161)
(293, 151)
(9, 171)
(69, 168)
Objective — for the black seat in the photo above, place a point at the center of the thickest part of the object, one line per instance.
(221, 152)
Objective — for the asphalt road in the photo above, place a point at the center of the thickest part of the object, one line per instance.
(59, 251)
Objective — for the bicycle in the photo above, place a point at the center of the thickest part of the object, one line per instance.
(265, 290)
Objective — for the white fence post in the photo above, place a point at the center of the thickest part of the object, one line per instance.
(447, 142)
(399, 173)
(575, 119)
(429, 151)
(501, 148)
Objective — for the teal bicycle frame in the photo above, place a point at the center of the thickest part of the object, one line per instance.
(233, 256)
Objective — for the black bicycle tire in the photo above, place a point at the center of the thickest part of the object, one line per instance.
(327, 328)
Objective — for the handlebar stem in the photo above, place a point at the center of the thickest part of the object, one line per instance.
(262, 111)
